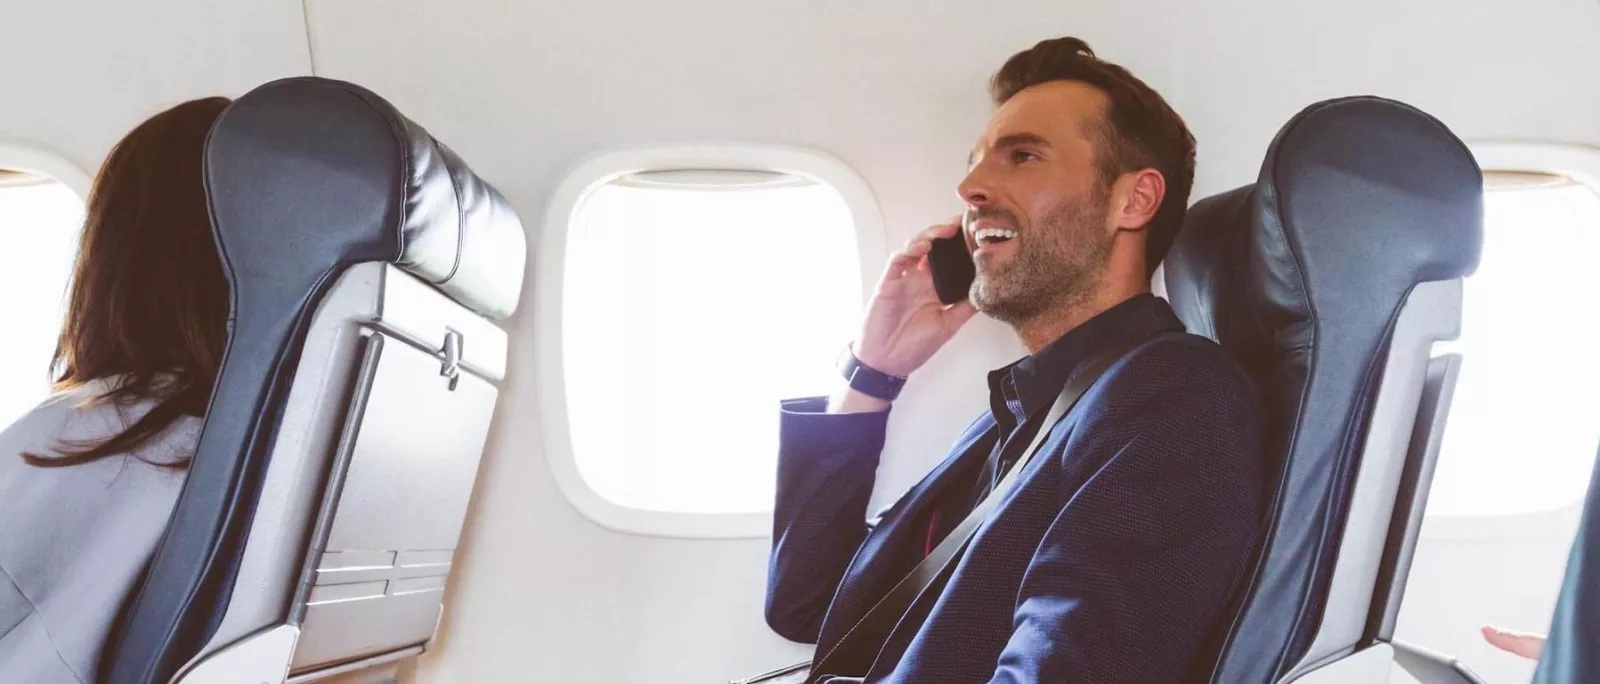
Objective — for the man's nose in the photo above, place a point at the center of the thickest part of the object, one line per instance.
(976, 189)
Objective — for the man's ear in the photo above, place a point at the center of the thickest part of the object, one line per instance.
(1140, 198)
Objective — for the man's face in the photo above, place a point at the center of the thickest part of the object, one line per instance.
(1040, 233)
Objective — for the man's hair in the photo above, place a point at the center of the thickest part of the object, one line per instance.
(1140, 130)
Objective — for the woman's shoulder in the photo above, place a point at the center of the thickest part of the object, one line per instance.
(87, 414)
(86, 530)
(45, 424)
(117, 491)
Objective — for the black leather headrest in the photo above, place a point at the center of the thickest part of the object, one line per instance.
(1301, 276)
(306, 177)
(317, 152)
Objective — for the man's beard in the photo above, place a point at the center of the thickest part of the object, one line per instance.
(1058, 263)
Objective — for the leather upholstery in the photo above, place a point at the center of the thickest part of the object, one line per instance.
(305, 178)
(313, 151)
(1301, 276)
(456, 231)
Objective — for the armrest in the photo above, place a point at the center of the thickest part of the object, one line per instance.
(1432, 668)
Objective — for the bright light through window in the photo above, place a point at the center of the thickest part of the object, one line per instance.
(1525, 422)
(691, 308)
(39, 222)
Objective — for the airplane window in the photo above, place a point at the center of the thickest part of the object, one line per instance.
(39, 222)
(1525, 420)
(693, 302)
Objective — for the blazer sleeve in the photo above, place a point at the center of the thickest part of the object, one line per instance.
(826, 467)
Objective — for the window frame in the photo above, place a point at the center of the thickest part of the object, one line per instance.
(1580, 163)
(552, 260)
(22, 157)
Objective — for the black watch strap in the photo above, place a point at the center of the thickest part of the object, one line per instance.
(868, 380)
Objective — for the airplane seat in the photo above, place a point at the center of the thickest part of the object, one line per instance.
(1329, 279)
(315, 532)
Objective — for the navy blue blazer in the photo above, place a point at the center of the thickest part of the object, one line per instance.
(1112, 560)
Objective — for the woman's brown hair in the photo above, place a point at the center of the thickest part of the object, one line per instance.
(148, 306)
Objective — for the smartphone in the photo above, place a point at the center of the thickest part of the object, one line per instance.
(950, 264)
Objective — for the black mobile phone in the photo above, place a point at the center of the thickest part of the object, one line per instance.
(950, 264)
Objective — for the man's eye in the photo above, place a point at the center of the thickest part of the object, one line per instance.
(1022, 156)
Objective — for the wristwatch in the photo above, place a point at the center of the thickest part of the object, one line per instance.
(868, 380)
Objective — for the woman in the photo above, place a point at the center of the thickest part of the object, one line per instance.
(89, 478)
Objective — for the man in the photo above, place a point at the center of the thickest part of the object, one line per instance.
(1115, 555)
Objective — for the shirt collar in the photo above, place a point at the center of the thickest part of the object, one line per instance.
(1039, 378)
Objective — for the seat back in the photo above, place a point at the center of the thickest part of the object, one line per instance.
(1329, 279)
(316, 528)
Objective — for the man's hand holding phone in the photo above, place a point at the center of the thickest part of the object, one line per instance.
(905, 322)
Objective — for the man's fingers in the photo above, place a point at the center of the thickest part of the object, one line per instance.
(959, 313)
(949, 228)
(942, 230)
(905, 260)
(910, 257)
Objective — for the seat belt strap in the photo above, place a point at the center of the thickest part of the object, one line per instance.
(857, 650)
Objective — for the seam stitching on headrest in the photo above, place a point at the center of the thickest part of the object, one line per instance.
(461, 212)
(396, 122)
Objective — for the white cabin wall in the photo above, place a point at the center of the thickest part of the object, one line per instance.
(895, 88)
(79, 74)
